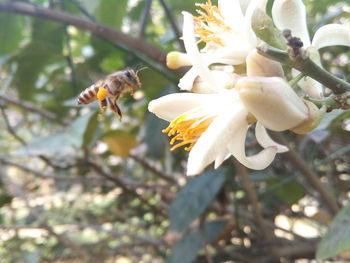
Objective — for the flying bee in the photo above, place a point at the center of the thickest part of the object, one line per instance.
(109, 89)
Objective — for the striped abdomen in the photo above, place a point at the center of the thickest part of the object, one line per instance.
(88, 95)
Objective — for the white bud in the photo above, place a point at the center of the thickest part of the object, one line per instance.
(273, 102)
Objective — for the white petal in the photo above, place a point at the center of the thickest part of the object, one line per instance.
(232, 12)
(212, 145)
(192, 49)
(265, 140)
(236, 145)
(222, 156)
(186, 82)
(258, 65)
(331, 35)
(170, 106)
(291, 14)
(272, 101)
(310, 86)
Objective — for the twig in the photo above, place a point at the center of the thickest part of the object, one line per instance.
(154, 170)
(243, 175)
(123, 185)
(309, 175)
(172, 22)
(31, 107)
(144, 18)
(306, 66)
(10, 128)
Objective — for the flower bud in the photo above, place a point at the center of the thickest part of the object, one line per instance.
(273, 102)
(175, 60)
(258, 65)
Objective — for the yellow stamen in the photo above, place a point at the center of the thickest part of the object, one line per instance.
(207, 20)
(102, 93)
(187, 129)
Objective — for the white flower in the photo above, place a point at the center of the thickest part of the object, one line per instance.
(213, 127)
(291, 14)
(229, 39)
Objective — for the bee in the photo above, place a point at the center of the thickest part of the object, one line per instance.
(109, 89)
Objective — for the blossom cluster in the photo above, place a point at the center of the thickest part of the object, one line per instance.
(230, 87)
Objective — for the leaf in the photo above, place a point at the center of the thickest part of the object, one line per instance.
(10, 32)
(119, 142)
(186, 250)
(194, 198)
(337, 238)
(111, 13)
(76, 132)
(60, 141)
(45, 48)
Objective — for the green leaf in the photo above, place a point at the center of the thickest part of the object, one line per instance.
(186, 250)
(111, 13)
(120, 142)
(60, 141)
(194, 198)
(10, 32)
(45, 48)
(76, 132)
(337, 238)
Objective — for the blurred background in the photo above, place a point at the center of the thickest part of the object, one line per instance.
(76, 186)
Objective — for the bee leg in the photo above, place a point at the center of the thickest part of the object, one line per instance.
(115, 108)
(103, 106)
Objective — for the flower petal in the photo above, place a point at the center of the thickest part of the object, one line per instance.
(265, 140)
(236, 145)
(186, 82)
(170, 106)
(331, 35)
(272, 101)
(257, 65)
(291, 14)
(212, 144)
(192, 49)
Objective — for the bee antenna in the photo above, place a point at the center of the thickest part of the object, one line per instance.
(138, 70)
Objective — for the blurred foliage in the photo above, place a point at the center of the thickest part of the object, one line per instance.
(79, 187)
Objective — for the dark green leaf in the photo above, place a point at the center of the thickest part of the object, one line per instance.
(186, 250)
(337, 238)
(194, 198)
(111, 13)
(10, 32)
(60, 141)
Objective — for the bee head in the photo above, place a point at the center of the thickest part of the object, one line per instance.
(131, 78)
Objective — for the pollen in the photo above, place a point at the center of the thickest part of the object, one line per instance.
(186, 129)
(208, 21)
(102, 93)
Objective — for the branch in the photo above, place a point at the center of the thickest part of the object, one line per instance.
(309, 175)
(31, 107)
(306, 66)
(144, 18)
(172, 22)
(139, 47)
(243, 175)
(152, 169)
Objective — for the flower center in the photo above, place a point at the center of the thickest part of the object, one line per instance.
(187, 128)
(208, 22)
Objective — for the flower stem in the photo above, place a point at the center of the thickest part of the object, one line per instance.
(306, 66)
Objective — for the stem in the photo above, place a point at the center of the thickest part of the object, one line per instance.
(306, 66)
